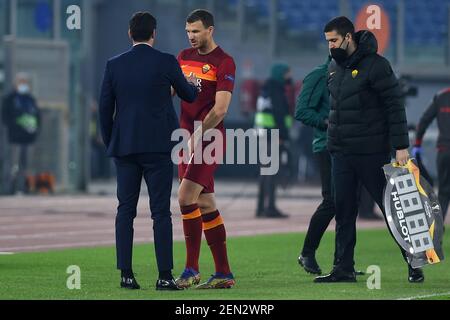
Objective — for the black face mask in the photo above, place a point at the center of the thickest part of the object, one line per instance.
(339, 54)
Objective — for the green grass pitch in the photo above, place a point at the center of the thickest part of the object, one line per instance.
(265, 267)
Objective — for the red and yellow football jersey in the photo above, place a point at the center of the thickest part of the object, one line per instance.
(215, 72)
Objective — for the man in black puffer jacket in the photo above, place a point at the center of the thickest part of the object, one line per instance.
(366, 121)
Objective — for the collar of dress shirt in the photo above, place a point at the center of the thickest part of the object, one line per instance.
(138, 43)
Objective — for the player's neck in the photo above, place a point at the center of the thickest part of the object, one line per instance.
(208, 48)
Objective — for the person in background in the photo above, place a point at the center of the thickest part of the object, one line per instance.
(438, 109)
(273, 113)
(312, 109)
(21, 116)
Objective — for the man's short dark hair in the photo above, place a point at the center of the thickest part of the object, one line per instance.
(202, 15)
(342, 25)
(142, 26)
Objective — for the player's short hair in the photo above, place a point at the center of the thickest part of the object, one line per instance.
(342, 25)
(202, 15)
(142, 26)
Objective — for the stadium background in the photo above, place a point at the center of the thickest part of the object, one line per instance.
(66, 67)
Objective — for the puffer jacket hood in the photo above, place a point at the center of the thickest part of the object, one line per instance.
(366, 44)
(278, 71)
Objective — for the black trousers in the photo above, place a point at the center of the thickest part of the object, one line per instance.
(157, 169)
(347, 169)
(266, 194)
(325, 211)
(267, 185)
(366, 207)
(443, 168)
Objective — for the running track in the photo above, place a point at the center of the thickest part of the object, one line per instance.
(42, 223)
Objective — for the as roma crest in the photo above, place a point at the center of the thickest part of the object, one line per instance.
(206, 68)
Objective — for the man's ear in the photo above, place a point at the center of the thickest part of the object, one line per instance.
(129, 34)
(211, 30)
(350, 38)
(154, 34)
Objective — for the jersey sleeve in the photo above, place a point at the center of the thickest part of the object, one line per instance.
(180, 57)
(226, 75)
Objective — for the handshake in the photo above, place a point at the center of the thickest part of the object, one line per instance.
(192, 78)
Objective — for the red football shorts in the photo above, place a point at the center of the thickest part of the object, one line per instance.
(201, 173)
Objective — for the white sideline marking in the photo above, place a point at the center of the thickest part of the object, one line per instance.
(426, 296)
(5, 253)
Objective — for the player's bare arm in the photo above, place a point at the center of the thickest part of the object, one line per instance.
(215, 115)
(218, 112)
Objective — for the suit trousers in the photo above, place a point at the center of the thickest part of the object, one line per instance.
(157, 170)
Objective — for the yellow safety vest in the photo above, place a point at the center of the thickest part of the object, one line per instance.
(267, 120)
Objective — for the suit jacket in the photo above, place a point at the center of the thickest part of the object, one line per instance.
(135, 107)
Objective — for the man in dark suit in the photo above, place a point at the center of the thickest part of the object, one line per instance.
(137, 119)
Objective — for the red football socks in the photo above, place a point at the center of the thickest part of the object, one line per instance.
(216, 237)
(192, 227)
